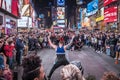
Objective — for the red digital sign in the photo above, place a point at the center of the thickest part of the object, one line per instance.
(14, 8)
(110, 14)
(106, 2)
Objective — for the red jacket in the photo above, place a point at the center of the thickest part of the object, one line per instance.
(8, 50)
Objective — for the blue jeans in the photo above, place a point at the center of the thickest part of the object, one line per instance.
(108, 51)
(10, 62)
(19, 56)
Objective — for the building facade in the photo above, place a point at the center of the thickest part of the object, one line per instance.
(100, 16)
(9, 13)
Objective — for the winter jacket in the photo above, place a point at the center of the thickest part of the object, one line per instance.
(8, 50)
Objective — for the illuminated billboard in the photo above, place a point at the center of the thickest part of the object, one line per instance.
(92, 8)
(14, 8)
(61, 16)
(60, 2)
(107, 2)
(101, 15)
(60, 13)
(23, 22)
(110, 14)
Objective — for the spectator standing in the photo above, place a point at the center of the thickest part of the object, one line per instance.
(19, 49)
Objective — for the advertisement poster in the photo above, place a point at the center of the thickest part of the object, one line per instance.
(23, 22)
(110, 14)
(61, 16)
(60, 13)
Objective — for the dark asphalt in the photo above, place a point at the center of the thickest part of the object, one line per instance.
(92, 62)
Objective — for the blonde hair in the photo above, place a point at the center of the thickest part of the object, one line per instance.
(71, 72)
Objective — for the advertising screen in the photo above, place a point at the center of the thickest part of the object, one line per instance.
(60, 13)
(23, 22)
(106, 2)
(110, 14)
(92, 8)
(60, 2)
(14, 8)
(61, 16)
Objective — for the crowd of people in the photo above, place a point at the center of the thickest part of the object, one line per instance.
(14, 51)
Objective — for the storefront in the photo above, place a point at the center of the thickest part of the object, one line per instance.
(8, 16)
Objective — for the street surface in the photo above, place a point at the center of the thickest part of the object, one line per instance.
(92, 62)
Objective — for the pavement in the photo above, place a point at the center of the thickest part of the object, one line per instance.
(93, 63)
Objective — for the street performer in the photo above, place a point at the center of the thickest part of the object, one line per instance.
(60, 52)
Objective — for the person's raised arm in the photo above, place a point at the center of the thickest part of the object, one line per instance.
(51, 44)
(66, 46)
